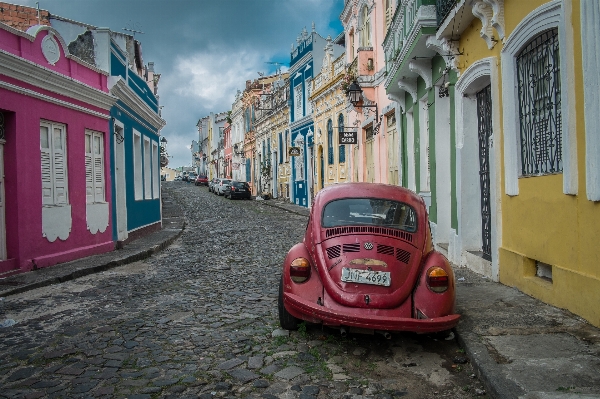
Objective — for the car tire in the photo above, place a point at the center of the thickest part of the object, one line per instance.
(286, 320)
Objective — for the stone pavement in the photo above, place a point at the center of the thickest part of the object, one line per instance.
(519, 346)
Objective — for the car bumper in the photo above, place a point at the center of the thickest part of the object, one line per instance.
(295, 304)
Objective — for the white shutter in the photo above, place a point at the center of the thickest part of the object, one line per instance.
(59, 165)
(89, 171)
(46, 157)
(155, 171)
(98, 167)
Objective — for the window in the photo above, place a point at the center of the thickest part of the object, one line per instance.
(53, 148)
(155, 170)
(298, 102)
(369, 133)
(342, 153)
(389, 13)
(137, 166)
(308, 86)
(369, 211)
(540, 121)
(365, 32)
(94, 166)
(330, 155)
(280, 148)
(147, 170)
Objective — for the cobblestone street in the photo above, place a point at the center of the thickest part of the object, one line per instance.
(199, 320)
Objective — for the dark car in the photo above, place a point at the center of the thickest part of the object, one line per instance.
(201, 180)
(367, 264)
(237, 189)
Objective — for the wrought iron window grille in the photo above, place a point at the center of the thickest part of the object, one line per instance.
(540, 119)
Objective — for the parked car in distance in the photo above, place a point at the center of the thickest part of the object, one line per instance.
(367, 264)
(201, 180)
(220, 186)
(237, 189)
(178, 178)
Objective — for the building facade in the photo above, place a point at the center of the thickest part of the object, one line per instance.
(306, 58)
(331, 162)
(54, 136)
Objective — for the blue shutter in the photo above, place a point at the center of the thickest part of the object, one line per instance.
(342, 155)
(330, 160)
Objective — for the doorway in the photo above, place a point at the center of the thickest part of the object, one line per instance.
(120, 183)
(484, 130)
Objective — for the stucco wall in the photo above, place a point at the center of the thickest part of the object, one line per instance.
(542, 223)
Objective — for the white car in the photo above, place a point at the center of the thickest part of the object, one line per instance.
(220, 186)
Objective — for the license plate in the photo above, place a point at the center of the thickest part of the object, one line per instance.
(366, 277)
(241, 189)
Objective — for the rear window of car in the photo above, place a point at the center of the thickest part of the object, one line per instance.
(201, 177)
(239, 184)
(226, 181)
(370, 212)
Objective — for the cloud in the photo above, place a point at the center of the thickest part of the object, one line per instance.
(213, 77)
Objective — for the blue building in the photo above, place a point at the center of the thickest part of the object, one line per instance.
(306, 57)
(135, 124)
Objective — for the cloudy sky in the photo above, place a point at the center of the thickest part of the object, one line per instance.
(205, 50)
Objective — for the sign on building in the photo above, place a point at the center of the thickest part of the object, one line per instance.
(348, 138)
(294, 151)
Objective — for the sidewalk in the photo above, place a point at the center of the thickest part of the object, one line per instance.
(519, 346)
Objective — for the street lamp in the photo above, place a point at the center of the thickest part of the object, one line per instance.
(355, 97)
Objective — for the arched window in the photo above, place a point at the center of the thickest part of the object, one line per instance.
(365, 32)
(342, 153)
(538, 76)
(330, 142)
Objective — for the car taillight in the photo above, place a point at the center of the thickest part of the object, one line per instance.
(437, 279)
(232, 188)
(299, 270)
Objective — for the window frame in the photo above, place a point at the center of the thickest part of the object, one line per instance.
(138, 166)
(53, 154)
(543, 18)
(96, 196)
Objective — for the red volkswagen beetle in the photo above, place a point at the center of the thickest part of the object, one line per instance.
(367, 264)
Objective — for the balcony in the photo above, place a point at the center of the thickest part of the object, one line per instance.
(443, 8)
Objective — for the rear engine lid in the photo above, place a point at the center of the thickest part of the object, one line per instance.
(369, 271)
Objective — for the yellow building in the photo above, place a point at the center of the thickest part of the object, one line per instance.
(330, 158)
(522, 87)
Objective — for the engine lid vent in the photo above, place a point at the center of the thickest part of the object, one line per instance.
(385, 249)
(402, 255)
(351, 247)
(333, 252)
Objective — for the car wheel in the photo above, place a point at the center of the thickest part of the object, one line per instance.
(286, 320)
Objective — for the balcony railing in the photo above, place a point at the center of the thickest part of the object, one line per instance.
(443, 8)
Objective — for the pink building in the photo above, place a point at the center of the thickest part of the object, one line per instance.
(366, 25)
(54, 152)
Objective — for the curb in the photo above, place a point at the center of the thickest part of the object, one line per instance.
(486, 368)
(143, 254)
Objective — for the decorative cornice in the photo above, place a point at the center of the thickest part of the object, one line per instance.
(497, 20)
(34, 74)
(491, 15)
(400, 100)
(410, 86)
(446, 48)
(422, 67)
(484, 13)
(40, 96)
(119, 88)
